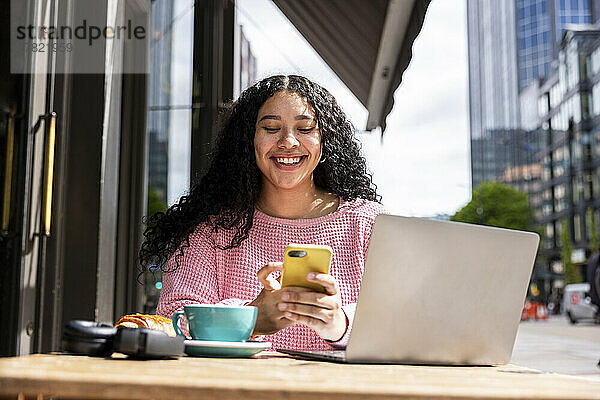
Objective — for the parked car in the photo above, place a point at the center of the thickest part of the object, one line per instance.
(578, 304)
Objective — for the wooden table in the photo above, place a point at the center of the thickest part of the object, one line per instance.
(271, 375)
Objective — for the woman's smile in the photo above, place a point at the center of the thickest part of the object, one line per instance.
(288, 163)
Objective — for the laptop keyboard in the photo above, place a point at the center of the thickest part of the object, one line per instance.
(337, 355)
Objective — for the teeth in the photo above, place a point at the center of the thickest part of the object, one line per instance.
(288, 160)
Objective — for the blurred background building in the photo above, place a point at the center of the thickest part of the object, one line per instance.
(493, 82)
(532, 76)
(569, 153)
(540, 25)
(511, 43)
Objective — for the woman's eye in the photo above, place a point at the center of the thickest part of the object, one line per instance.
(266, 128)
(306, 130)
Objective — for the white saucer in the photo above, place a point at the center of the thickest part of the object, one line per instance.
(210, 348)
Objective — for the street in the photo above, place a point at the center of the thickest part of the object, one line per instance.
(557, 346)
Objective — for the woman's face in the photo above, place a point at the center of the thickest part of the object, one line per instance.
(287, 142)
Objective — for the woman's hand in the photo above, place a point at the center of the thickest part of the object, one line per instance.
(279, 308)
(270, 318)
(320, 311)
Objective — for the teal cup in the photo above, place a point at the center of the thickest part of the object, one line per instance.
(217, 322)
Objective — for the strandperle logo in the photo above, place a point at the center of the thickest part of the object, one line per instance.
(85, 31)
(83, 38)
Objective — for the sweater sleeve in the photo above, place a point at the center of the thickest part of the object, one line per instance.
(342, 343)
(373, 209)
(194, 280)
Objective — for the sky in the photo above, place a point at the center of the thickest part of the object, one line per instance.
(421, 166)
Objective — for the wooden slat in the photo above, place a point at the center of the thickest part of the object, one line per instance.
(276, 376)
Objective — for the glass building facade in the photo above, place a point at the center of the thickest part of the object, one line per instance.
(512, 44)
(493, 78)
(540, 25)
(508, 156)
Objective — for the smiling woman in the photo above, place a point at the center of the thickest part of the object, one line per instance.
(287, 169)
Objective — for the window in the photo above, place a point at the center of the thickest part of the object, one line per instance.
(587, 62)
(586, 100)
(549, 230)
(597, 143)
(596, 184)
(586, 183)
(577, 227)
(169, 111)
(577, 150)
(596, 99)
(575, 108)
(577, 191)
(546, 171)
(543, 105)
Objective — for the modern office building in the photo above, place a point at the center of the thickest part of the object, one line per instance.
(493, 73)
(540, 24)
(508, 156)
(569, 112)
(511, 44)
(499, 154)
(519, 137)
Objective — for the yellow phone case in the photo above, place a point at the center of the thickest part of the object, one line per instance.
(317, 259)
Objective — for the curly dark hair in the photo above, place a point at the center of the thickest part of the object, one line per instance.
(226, 195)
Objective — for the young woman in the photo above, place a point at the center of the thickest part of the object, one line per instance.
(287, 169)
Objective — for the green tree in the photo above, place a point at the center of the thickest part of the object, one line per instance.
(566, 251)
(593, 230)
(155, 204)
(495, 204)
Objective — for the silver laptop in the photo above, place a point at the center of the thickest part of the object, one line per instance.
(438, 292)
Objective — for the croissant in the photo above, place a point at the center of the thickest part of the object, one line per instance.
(147, 321)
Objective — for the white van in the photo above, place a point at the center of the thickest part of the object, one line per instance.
(578, 305)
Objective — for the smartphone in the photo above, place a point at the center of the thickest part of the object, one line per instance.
(300, 259)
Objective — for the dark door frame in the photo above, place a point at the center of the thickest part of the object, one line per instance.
(133, 170)
(14, 107)
(72, 249)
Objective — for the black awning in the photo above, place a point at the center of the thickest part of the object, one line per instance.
(367, 43)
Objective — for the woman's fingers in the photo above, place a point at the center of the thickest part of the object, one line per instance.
(265, 278)
(325, 280)
(308, 297)
(322, 314)
(310, 321)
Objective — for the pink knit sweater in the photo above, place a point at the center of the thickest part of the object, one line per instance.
(209, 275)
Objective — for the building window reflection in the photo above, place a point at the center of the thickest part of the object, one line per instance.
(169, 113)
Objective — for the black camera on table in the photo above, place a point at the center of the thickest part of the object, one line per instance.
(101, 340)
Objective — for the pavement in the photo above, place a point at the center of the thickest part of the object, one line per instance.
(555, 345)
